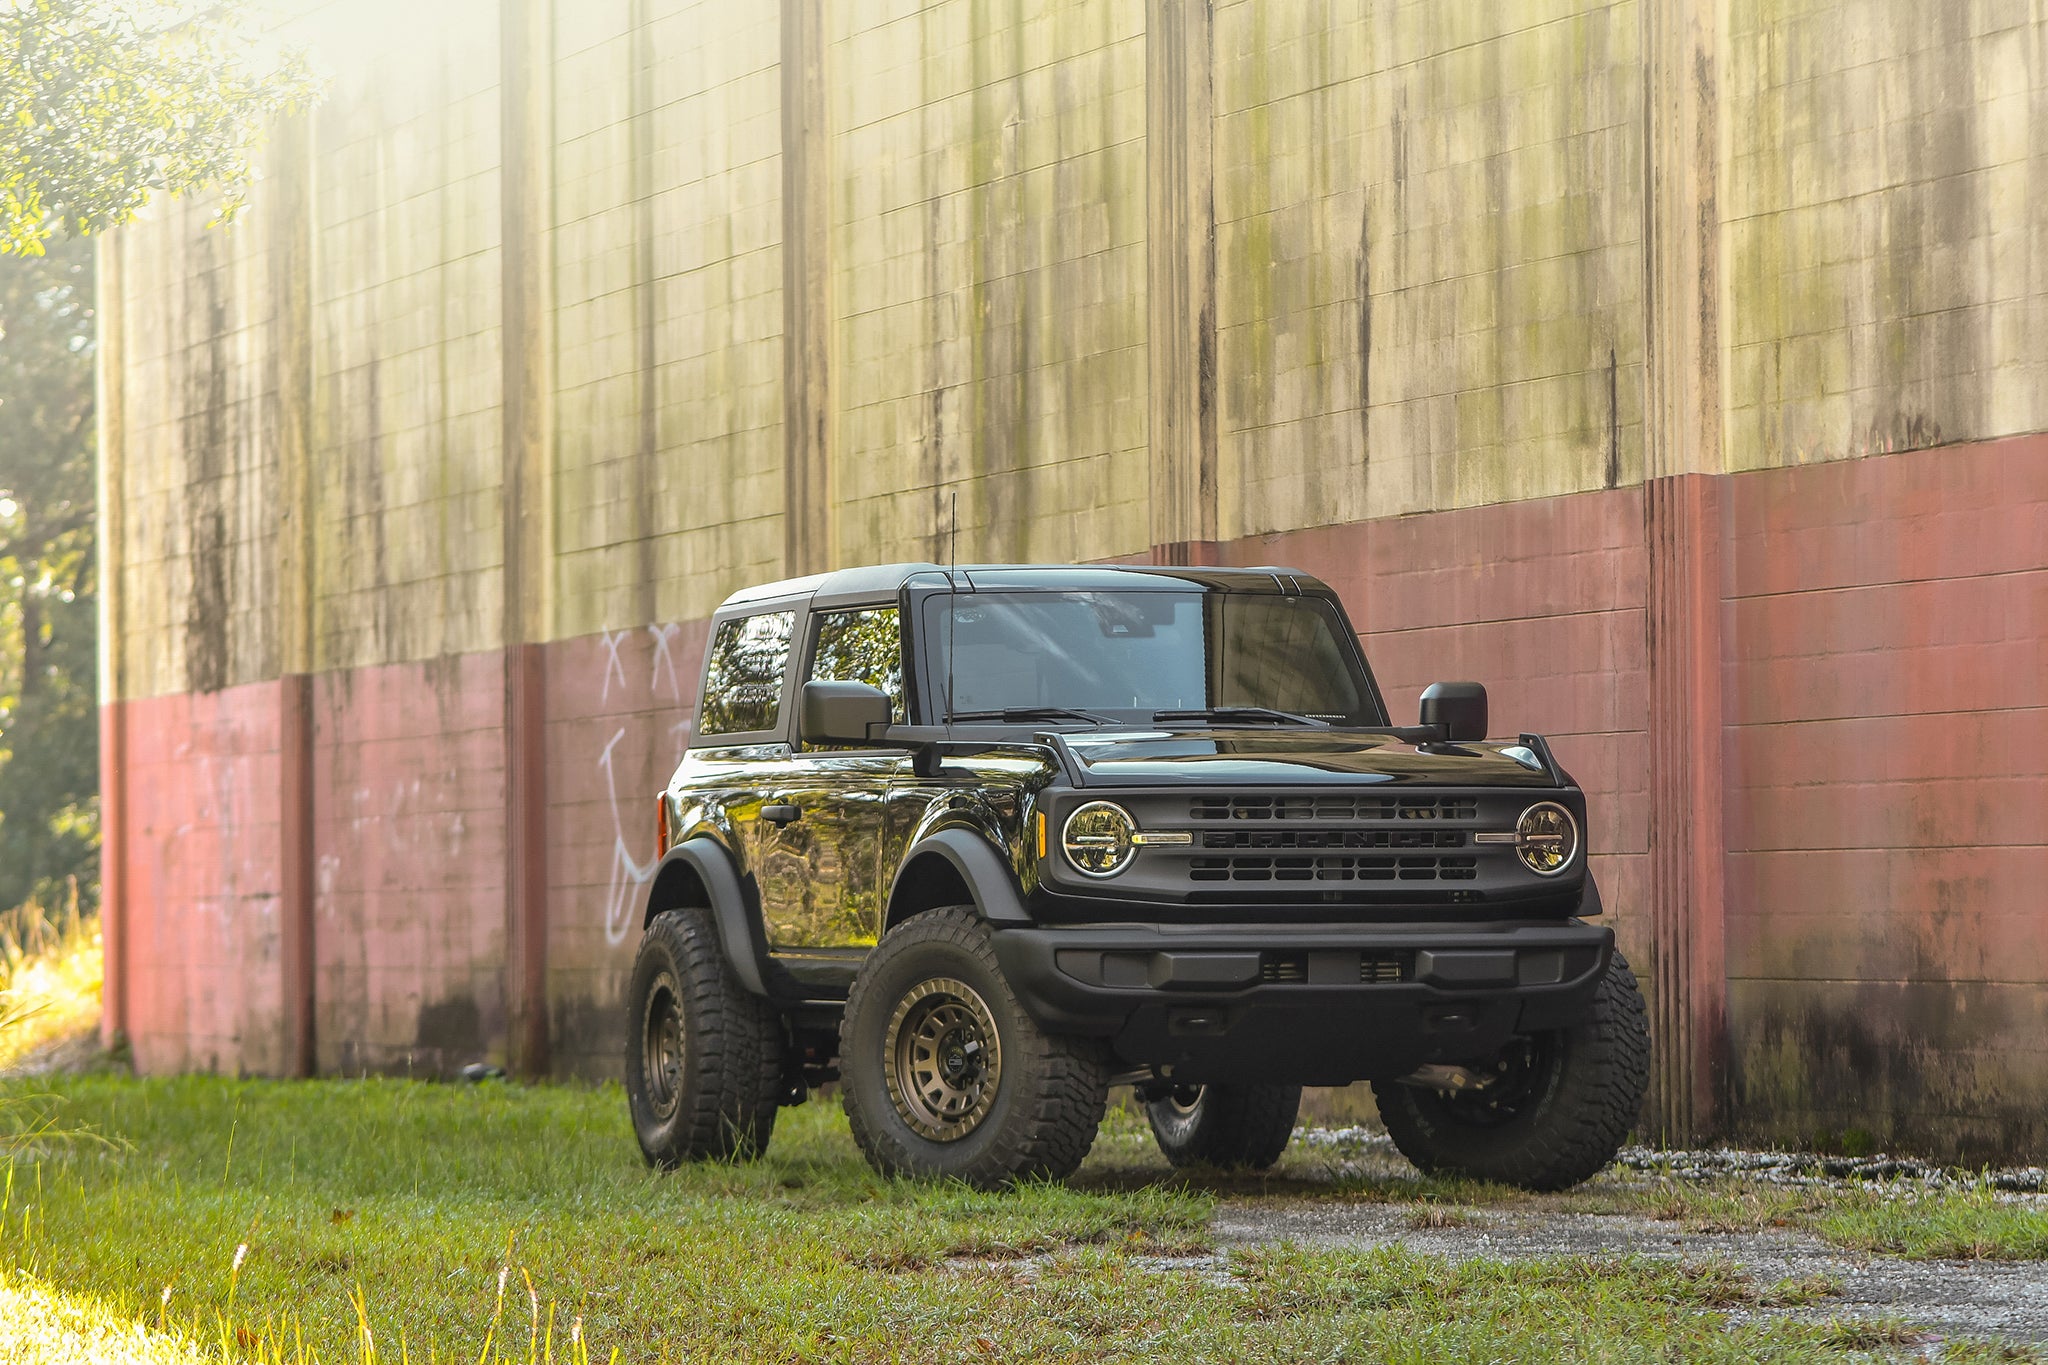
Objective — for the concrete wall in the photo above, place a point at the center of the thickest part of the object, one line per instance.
(1674, 368)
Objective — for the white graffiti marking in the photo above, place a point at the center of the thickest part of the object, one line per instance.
(663, 661)
(612, 665)
(627, 876)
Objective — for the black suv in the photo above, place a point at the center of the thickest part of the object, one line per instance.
(981, 843)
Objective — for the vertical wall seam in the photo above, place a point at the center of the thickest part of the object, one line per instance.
(110, 400)
(1683, 460)
(807, 392)
(526, 112)
(291, 281)
(1180, 268)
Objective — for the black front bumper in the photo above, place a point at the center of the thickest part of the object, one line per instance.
(1314, 1004)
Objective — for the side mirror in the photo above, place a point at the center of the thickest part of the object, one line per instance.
(840, 712)
(1456, 709)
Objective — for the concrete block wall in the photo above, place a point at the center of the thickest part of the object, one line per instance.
(987, 280)
(1669, 368)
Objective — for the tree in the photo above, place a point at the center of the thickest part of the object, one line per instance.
(49, 736)
(106, 102)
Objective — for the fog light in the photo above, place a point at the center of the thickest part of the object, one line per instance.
(1546, 838)
(1097, 839)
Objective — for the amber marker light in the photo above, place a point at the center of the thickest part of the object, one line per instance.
(1041, 834)
(661, 827)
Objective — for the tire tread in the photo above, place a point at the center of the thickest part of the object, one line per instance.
(1611, 1053)
(733, 1081)
(1047, 1138)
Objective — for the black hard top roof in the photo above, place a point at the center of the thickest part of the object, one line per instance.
(877, 581)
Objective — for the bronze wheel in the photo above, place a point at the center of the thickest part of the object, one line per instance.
(661, 1047)
(943, 1059)
(944, 1073)
(703, 1057)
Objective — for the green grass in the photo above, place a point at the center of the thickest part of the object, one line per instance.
(424, 1213)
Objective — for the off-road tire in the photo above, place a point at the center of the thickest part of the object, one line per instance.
(1230, 1127)
(1049, 1092)
(717, 1099)
(1581, 1103)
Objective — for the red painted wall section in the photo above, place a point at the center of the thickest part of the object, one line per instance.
(409, 895)
(1887, 800)
(1541, 601)
(619, 708)
(200, 886)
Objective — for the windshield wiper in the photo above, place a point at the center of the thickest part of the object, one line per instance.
(1226, 713)
(1030, 713)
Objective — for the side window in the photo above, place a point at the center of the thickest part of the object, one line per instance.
(862, 646)
(743, 683)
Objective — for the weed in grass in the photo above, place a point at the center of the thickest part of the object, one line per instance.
(1869, 1334)
(1800, 1292)
(1429, 1215)
(49, 977)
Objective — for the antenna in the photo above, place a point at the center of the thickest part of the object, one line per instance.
(953, 536)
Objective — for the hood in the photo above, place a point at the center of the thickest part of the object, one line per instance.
(1266, 756)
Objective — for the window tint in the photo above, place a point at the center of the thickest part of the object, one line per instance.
(743, 684)
(862, 646)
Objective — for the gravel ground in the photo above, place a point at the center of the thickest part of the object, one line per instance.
(2001, 1300)
(1990, 1299)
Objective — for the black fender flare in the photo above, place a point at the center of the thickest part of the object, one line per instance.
(986, 872)
(1589, 900)
(732, 908)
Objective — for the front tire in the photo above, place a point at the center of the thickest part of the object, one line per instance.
(703, 1056)
(1230, 1127)
(1555, 1115)
(946, 1076)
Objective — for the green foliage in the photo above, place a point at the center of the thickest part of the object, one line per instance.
(106, 102)
(49, 735)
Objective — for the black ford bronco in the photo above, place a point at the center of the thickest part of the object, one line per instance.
(981, 843)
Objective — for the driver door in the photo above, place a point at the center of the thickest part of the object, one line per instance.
(824, 899)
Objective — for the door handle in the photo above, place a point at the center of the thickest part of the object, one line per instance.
(781, 814)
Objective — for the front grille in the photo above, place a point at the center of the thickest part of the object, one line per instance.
(1314, 806)
(1374, 969)
(1333, 838)
(1284, 967)
(1332, 869)
(1385, 968)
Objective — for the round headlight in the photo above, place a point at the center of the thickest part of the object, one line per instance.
(1546, 838)
(1097, 839)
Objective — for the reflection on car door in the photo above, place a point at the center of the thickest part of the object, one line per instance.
(819, 859)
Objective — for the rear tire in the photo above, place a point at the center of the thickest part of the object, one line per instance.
(703, 1056)
(1230, 1127)
(1556, 1115)
(944, 1074)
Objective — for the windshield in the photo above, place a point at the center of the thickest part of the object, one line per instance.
(1134, 654)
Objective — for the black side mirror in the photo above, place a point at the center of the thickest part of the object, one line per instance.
(840, 712)
(1456, 709)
